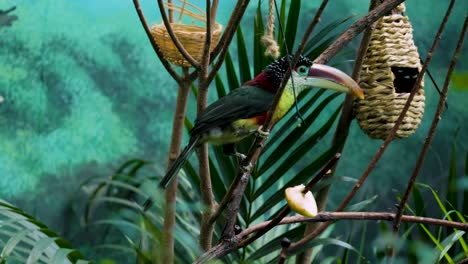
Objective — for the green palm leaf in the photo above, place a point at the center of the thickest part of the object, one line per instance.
(25, 239)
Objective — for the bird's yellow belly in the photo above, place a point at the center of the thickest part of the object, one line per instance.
(237, 131)
(285, 103)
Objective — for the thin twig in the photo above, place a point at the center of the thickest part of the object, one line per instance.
(432, 130)
(171, 191)
(384, 146)
(155, 46)
(335, 216)
(226, 38)
(174, 38)
(230, 29)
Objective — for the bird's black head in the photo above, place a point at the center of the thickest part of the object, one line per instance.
(277, 69)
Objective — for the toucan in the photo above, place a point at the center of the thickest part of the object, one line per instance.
(244, 110)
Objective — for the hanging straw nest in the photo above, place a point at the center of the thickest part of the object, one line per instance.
(388, 74)
(192, 37)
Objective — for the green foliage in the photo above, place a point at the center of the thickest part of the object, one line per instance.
(24, 239)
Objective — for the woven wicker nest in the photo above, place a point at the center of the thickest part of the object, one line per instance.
(388, 74)
(192, 37)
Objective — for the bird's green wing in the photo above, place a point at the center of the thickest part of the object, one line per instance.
(244, 102)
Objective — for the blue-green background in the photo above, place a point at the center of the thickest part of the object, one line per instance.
(84, 92)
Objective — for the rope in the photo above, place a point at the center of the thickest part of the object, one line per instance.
(268, 39)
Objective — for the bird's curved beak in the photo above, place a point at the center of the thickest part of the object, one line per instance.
(327, 77)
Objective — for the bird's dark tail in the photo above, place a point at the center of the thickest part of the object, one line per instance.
(175, 167)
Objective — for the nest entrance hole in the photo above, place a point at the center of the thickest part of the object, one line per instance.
(405, 78)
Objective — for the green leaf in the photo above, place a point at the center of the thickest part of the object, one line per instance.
(291, 120)
(220, 86)
(291, 27)
(452, 179)
(274, 244)
(219, 187)
(327, 242)
(281, 21)
(295, 154)
(43, 244)
(460, 81)
(448, 243)
(324, 32)
(26, 237)
(233, 81)
(360, 206)
(244, 65)
(259, 61)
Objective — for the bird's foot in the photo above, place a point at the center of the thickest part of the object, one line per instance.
(246, 168)
(262, 133)
(240, 156)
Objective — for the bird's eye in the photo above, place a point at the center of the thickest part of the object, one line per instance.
(303, 70)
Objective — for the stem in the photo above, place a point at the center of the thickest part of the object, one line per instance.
(174, 38)
(155, 46)
(167, 250)
(206, 227)
(375, 216)
(384, 146)
(432, 130)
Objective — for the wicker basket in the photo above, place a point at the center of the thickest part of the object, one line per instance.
(192, 37)
(388, 74)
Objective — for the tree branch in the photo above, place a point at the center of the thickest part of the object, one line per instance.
(174, 38)
(335, 216)
(432, 130)
(167, 250)
(206, 226)
(155, 46)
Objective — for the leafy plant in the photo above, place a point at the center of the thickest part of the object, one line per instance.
(24, 239)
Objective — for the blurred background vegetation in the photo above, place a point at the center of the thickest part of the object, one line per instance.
(84, 93)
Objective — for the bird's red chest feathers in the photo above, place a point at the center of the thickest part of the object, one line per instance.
(264, 82)
(260, 119)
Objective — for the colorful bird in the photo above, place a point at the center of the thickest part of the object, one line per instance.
(244, 110)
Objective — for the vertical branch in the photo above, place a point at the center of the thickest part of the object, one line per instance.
(387, 141)
(207, 227)
(155, 46)
(432, 130)
(171, 191)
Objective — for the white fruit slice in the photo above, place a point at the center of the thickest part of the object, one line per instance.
(303, 204)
